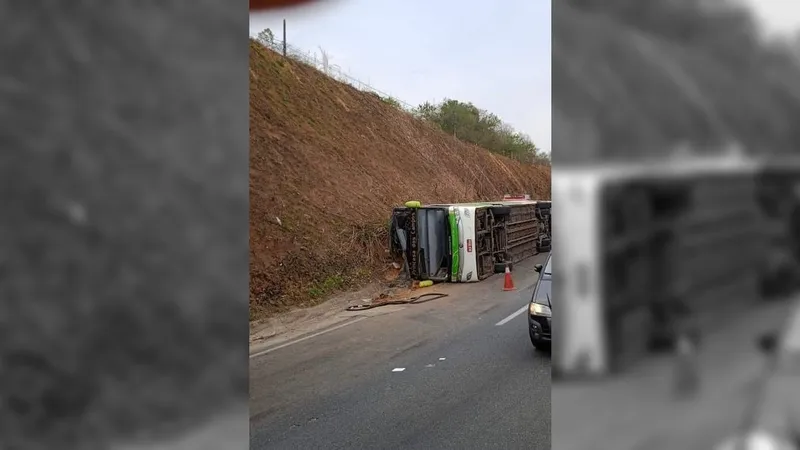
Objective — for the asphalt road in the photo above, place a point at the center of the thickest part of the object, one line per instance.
(470, 378)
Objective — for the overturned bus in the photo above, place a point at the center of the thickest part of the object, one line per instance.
(468, 242)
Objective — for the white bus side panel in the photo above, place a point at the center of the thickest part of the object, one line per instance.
(469, 263)
(580, 334)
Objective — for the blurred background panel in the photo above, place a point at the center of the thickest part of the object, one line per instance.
(123, 231)
(643, 79)
(675, 206)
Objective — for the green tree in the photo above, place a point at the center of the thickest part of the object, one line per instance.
(469, 123)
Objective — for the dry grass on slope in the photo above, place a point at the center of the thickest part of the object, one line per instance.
(327, 164)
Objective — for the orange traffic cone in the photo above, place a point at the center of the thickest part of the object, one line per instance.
(509, 283)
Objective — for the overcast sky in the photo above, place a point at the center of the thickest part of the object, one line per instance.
(494, 54)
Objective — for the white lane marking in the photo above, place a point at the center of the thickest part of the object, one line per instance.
(305, 338)
(511, 317)
(398, 369)
(430, 365)
(442, 359)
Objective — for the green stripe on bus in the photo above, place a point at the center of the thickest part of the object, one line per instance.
(454, 239)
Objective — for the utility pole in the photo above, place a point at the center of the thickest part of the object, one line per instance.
(284, 38)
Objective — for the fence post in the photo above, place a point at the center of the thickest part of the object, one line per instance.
(284, 38)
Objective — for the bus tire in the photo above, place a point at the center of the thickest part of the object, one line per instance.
(501, 267)
(500, 211)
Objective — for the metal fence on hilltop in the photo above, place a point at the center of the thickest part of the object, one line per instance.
(332, 70)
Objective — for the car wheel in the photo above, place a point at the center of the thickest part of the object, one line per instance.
(542, 347)
(539, 344)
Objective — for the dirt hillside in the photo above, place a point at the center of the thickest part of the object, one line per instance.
(327, 164)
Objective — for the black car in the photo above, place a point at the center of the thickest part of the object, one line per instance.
(539, 312)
